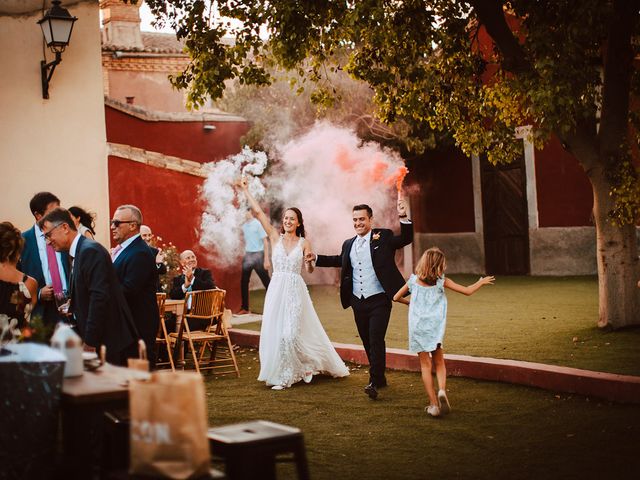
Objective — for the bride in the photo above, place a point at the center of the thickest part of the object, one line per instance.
(293, 344)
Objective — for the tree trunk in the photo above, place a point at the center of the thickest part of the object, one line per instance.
(618, 265)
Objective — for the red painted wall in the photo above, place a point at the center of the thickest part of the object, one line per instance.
(178, 139)
(442, 192)
(171, 207)
(565, 197)
(169, 200)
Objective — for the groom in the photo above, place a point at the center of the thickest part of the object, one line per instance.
(368, 282)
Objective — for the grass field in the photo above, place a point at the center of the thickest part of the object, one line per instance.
(539, 319)
(495, 431)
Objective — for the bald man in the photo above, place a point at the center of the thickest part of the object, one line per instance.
(193, 278)
(147, 236)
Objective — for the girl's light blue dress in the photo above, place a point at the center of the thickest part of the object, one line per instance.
(427, 315)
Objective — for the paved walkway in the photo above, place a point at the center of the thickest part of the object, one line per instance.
(248, 318)
(613, 387)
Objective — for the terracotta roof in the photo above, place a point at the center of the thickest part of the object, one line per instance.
(154, 42)
(161, 42)
(203, 115)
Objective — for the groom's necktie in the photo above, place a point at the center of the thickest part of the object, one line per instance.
(360, 243)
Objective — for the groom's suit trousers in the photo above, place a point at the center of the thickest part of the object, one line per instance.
(372, 318)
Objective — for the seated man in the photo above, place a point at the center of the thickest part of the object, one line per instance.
(191, 279)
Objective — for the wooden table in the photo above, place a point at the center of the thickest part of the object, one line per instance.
(177, 307)
(84, 401)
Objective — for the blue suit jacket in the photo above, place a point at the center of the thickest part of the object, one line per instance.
(97, 302)
(138, 275)
(31, 265)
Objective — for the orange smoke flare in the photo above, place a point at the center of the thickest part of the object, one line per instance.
(400, 174)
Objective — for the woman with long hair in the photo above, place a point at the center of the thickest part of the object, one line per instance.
(85, 221)
(18, 292)
(293, 344)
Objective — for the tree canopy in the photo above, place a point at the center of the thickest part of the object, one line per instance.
(477, 69)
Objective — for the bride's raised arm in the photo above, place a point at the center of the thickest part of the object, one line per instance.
(257, 210)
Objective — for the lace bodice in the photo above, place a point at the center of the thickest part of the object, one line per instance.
(287, 263)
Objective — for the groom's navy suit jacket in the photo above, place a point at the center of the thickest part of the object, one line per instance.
(383, 253)
(98, 304)
(138, 275)
(31, 265)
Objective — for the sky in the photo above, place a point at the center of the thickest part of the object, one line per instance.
(146, 18)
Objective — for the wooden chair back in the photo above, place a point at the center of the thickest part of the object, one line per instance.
(205, 305)
(208, 305)
(162, 336)
(161, 299)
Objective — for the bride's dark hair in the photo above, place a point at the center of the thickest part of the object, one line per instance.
(299, 228)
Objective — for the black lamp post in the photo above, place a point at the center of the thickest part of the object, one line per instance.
(56, 25)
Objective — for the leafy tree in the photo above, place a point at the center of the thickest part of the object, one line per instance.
(287, 108)
(565, 67)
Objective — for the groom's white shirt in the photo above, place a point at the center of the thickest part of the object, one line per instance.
(365, 281)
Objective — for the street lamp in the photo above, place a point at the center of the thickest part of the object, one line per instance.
(56, 25)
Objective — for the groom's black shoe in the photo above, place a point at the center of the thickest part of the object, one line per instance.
(371, 391)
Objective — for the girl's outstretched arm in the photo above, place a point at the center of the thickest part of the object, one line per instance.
(400, 295)
(471, 289)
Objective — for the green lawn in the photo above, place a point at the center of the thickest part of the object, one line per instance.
(539, 319)
(495, 431)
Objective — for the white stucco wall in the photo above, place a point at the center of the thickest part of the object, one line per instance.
(59, 144)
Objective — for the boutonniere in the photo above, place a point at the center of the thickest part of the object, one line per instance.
(375, 236)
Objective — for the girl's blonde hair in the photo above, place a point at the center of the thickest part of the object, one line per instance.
(431, 265)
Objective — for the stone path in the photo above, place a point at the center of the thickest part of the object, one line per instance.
(241, 319)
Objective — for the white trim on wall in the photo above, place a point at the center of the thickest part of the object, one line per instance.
(477, 193)
(525, 133)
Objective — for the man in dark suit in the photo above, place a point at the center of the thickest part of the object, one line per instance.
(135, 267)
(49, 268)
(97, 304)
(192, 278)
(369, 280)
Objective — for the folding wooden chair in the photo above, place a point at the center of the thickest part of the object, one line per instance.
(162, 337)
(207, 307)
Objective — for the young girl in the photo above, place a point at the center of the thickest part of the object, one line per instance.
(428, 318)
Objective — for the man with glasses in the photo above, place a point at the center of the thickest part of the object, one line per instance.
(135, 265)
(40, 261)
(97, 307)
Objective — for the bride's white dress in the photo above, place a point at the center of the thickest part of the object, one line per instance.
(293, 344)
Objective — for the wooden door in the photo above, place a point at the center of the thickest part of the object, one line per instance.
(506, 225)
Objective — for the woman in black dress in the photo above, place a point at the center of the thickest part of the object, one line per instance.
(18, 292)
